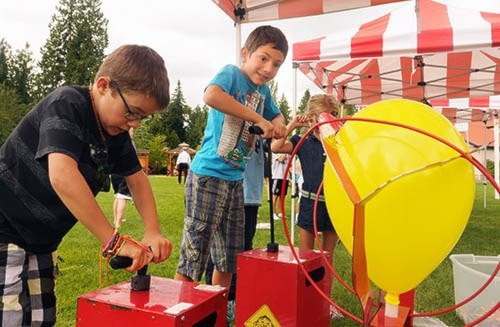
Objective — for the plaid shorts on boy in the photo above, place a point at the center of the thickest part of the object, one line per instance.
(214, 225)
(34, 291)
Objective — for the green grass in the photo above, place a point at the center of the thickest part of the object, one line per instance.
(79, 253)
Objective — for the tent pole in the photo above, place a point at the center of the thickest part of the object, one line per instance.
(497, 153)
(484, 163)
(294, 112)
(238, 44)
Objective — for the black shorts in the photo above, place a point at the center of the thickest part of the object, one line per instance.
(119, 184)
(277, 185)
(306, 216)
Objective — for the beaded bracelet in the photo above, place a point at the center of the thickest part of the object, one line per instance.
(110, 249)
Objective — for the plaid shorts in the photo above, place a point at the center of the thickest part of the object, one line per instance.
(214, 225)
(27, 285)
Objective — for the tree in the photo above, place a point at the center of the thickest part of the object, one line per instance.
(4, 58)
(20, 74)
(196, 125)
(142, 137)
(157, 155)
(284, 108)
(75, 48)
(349, 110)
(11, 111)
(273, 87)
(172, 121)
(176, 114)
(303, 102)
(172, 140)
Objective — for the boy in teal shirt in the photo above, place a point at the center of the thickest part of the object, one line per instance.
(239, 97)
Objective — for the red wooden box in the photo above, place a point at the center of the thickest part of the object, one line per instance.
(272, 288)
(167, 303)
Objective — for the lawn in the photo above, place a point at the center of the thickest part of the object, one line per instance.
(79, 253)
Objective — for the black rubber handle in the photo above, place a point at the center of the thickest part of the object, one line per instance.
(120, 262)
(255, 130)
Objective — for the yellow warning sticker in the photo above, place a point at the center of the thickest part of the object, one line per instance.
(262, 318)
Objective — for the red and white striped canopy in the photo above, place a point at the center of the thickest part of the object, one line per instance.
(464, 110)
(249, 11)
(491, 102)
(421, 50)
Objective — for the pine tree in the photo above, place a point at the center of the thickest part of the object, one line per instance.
(176, 113)
(303, 102)
(157, 156)
(20, 75)
(172, 121)
(196, 126)
(273, 87)
(75, 48)
(11, 111)
(284, 108)
(4, 58)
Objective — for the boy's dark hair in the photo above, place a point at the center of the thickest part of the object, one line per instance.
(140, 69)
(266, 34)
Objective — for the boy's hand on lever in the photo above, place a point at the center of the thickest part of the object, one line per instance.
(280, 131)
(266, 127)
(132, 256)
(160, 247)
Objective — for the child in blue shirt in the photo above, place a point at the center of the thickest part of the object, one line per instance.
(238, 97)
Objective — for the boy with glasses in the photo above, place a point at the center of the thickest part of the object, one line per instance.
(53, 165)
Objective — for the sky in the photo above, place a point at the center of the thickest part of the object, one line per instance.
(195, 38)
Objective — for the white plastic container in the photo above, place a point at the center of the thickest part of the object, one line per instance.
(470, 272)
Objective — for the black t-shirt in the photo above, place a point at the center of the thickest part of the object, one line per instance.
(31, 214)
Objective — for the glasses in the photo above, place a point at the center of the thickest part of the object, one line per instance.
(99, 155)
(130, 115)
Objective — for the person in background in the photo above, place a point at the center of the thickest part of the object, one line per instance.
(238, 98)
(312, 160)
(279, 162)
(253, 184)
(53, 165)
(299, 179)
(182, 164)
(122, 193)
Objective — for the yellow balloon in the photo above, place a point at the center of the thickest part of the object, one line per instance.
(418, 191)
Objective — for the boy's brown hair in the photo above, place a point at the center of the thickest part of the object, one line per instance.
(266, 34)
(140, 69)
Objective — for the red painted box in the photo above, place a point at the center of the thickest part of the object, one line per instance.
(167, 303)
(272, 288)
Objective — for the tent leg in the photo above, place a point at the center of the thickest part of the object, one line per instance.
(238, 44)
(294, 112)
(484, 163)
(497, 153)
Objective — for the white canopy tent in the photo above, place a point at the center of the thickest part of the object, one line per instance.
(463, 111)
(250, 11)
(425, 50)
(253, 11)
(422, 50)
